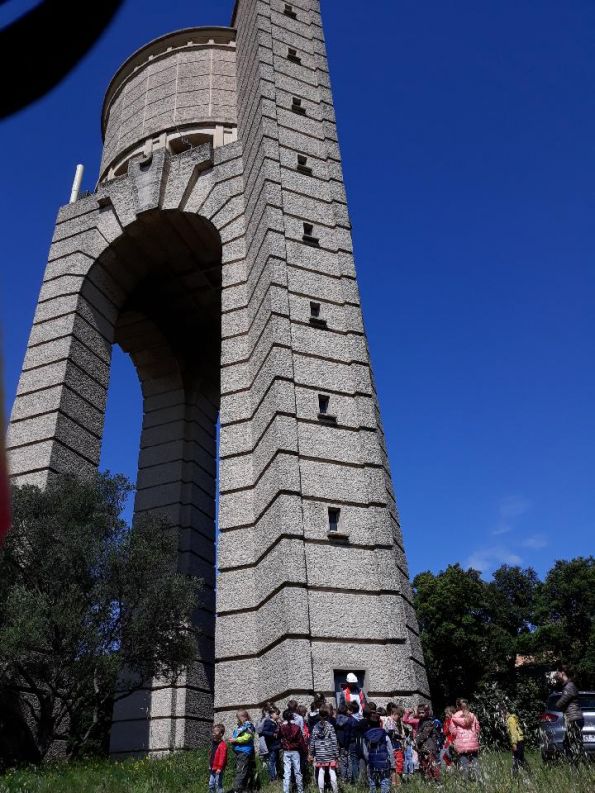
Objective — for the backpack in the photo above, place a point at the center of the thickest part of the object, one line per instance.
(439, 733)
(426, 739)
(343, 730)
(375, 741)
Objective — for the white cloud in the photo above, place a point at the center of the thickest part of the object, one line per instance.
(535, 541)
(503, 528)
(510, 507)
(514, 506)
(487, 559)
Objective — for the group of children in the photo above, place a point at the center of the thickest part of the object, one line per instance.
(357, 741)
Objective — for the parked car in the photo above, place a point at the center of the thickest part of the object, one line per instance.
(553, 727)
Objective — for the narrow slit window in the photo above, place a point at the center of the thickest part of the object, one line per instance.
(302, 165)
(324, 415)
(296, 106)
(293, 56)
(333, 519)
(315, 319)
(323, 403)
(289, 12)
(308, 235)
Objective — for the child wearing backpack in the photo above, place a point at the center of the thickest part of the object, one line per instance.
(355, 719)
(324, 751)
(343, 731)
(427, 742)
(395, 729)
(379, 755)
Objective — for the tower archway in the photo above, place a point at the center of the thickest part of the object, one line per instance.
(156, 292)
(140, 265)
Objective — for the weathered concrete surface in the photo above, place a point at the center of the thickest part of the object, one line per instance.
(204, 267)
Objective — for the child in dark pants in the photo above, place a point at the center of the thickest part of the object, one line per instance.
(343, 730)
(268, 729)
(379, 755)
(426, 741)
(516, 738)
(242, 741)
(355, 741)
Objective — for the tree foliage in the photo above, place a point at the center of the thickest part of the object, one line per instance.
(473, 631)
(452, 612)
(88, 610)
(565, 616)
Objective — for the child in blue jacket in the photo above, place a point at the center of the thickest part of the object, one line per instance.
(242, 742)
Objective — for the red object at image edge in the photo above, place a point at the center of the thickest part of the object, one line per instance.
(4, 489)
(4, 499)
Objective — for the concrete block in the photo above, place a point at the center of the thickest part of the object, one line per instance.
(282, 516)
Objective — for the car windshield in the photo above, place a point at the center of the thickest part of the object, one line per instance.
(586, 701)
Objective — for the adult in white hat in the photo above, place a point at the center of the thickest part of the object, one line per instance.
(351, 691)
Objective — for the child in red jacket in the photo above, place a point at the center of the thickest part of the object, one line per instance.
(447, 754)
(218, 759)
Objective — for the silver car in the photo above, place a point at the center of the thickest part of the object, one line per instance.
(553, 728)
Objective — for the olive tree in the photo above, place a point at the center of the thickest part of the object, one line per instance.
(89, 610)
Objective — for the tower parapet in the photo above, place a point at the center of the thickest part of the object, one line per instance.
(174, 93)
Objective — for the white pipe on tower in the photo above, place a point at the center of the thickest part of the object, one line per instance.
(76, 185)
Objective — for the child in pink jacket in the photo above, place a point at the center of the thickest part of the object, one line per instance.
(464, 729)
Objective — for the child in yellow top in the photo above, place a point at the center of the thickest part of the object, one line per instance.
(516, 738)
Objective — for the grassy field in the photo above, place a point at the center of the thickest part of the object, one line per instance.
(188, 773)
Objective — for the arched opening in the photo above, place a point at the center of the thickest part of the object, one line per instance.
(156, 293)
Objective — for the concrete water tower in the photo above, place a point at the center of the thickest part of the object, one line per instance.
(217, 252)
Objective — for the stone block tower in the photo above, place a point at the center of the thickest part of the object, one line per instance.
(216, 251)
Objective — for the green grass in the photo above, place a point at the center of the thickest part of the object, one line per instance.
(179, 773)
(496, 777)
(188, 773)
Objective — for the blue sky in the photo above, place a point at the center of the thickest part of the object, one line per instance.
(468, 137)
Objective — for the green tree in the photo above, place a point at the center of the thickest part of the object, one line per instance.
(512, 595)
(453, 612)
(88, 610)
(514, 592)
(472, 632)
(565, 617)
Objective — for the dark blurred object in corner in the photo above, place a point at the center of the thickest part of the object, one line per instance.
(39, 48)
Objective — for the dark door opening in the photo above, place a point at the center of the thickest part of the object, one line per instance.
(340, 676)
